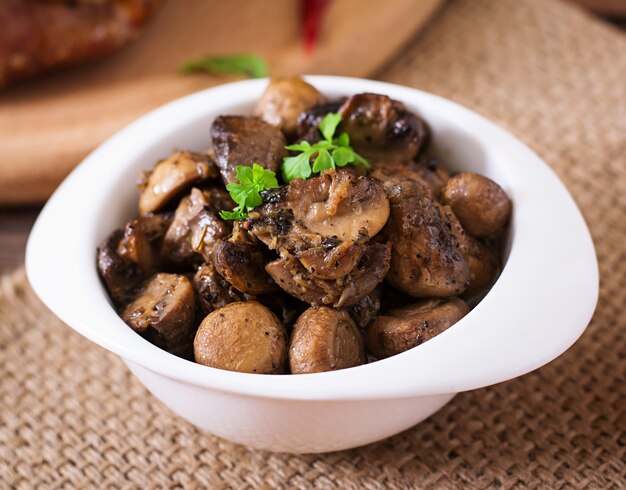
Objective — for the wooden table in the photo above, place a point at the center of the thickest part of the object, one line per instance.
(15, 225)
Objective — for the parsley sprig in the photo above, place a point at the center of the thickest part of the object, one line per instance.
(247, 192)
(248, 65)
(329, 153)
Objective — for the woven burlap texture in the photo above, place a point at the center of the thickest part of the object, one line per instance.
(72, 415)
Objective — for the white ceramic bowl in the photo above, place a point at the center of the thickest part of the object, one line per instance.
(539, 306)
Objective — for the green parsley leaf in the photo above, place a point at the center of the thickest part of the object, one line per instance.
(247, 192)
(329, 125)
(235, 214)
(328, 153)
(297, 167)
(303, 146)
(343, 156)
(323, 161)
(249, 65)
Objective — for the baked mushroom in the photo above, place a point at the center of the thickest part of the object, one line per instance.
(324, 339)
(212, 290)
(242, 264)
(425, 256)
(402, 329)
(142, 241)
(172, 176)
(284, 99)
(120, 276)
(289, 273)
(244, 140)
(245, 337)
(381, 128)
(196, 227)
(322, 211)
(163, 312)
(482, 206)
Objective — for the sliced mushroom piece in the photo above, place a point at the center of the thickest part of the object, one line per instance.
(242, 264)
(332, 262)
(366, 309)
(381, 128)
(163, 312)
(213, 291)
(121, 277)
(402, 329)
(329, 209)
(245, 337)
(172, 176)
(324, 339)
(425, 257)
(196, 228)
(482, 206)
(244, 140)
(290, 275)
(484, 269)
(142, 241)
(284, 99)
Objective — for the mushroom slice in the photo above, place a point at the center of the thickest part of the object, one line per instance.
(425, 257)
(196, 227)
(244, 140)
(142, 240)
(332, 262)
(121, 277)
(245, 337)
(334, 207)
(163, 312)
(324, 339)
(242, 264)
(290, 275)
(172, 176)
(338, 204)
(381, 128)
(402, 329)
(212, 290)
(482, 206)
(284, 99)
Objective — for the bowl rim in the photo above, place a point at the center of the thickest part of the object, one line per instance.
(522, 323)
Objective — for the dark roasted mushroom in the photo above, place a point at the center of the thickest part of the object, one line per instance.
(245, 337)
(244, 140)
(324, 339)
(196, 228)
(402, 329)
(482, 206)
(142, 241)
(212, 290)
(172, 176)
(163, 312)
(381, 128)
(425, 255)
(242, 264)
(284, 99)
(121, 277)
(290, 275)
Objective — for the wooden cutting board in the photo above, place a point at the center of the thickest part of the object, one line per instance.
(48, 125)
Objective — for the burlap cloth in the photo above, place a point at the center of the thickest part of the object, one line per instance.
(73, 416)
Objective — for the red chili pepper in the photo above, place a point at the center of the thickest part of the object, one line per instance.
(312, 11)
